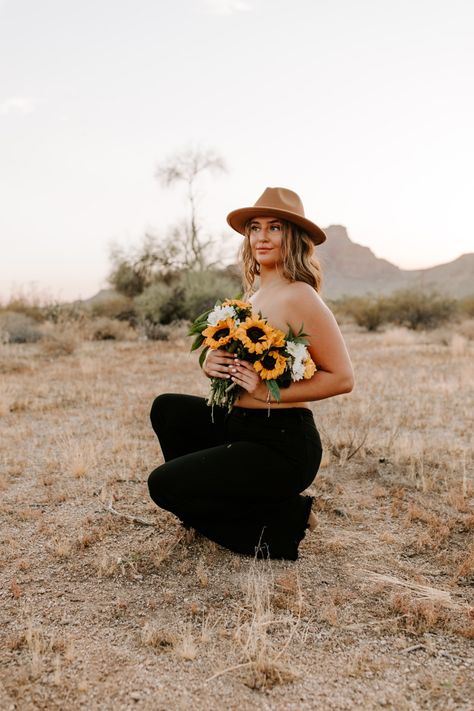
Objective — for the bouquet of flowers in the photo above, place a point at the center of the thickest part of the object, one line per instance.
(279, 359)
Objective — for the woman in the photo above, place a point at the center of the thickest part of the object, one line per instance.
(238, 479)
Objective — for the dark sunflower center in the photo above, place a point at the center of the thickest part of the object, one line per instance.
(268, 362)
(255, 333)
(221, 333)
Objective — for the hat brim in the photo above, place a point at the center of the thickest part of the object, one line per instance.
(238, 218)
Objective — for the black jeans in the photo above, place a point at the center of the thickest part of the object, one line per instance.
(236, 480)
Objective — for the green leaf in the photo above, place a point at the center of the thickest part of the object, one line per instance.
(203, 355)
(274, 390)
(198, 341)
(300, 337)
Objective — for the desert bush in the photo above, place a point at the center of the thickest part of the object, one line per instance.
(418, 309)
(177, 330)
(63, 314)
(185, 297)
(202, 289)
(114, 305)
(127, 280)
(369, 312)
(18, 328)
(409, 308)
(156, 303)
(466, 306)
(58, 344)
(23, 305)
(107, 329)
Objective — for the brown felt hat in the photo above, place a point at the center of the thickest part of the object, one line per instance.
(277, 202)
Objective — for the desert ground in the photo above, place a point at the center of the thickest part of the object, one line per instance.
(108, 603)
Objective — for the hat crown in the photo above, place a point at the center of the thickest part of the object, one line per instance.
(281, 199)
(277, 202)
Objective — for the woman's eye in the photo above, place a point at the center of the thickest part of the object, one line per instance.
(276, 228)
(254, 228)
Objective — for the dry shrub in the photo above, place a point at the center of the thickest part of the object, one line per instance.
(265, 662)
(417, 615)
(458, 344)
(157, 637)
(37, 645)
(173, 332)
(202, 574)
(107, 565)
(399, 337)
(58, 341)
(107, 329)
(18, 328)
(185, 647)
(466, 329)
(112, 305)
(75, 457)
(165, 548)
(466, 566)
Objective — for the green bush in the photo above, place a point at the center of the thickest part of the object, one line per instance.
(160, 303)
(202, 289)
(466, 306)
(186, 296)
(369, 312)
(418, 309)
(114, 305)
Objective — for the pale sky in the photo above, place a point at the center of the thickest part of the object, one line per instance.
(363, 107)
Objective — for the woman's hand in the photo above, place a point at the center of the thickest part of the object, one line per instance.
(217, 362)
(244, 374)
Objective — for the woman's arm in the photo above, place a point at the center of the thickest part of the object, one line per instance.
(334, 375)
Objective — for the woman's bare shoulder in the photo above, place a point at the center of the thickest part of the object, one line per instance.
(303, 295)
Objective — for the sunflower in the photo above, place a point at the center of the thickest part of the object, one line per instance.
(238, 303)
(309, 368)
(220, 334)
(255, 334)
(278, 338)
(271, 365)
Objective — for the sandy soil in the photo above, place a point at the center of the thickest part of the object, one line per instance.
(106, 602)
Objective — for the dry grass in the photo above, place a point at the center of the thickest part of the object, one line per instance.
(106, 602)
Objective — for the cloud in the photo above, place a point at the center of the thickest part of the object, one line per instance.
(17, 104)
(227, 7)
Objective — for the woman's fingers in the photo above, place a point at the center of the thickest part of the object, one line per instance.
(217, 363)
(244, 374)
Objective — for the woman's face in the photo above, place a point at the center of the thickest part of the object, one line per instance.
(265, 241)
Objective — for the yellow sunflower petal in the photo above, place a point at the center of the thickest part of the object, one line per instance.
(238, 303)
(219, 335)
(309, 368)
(278, 338)
(271, 365)
(255, 334)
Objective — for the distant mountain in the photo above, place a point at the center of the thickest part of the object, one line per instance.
(353, 270)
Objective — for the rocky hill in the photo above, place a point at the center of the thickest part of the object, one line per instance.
(351, 269)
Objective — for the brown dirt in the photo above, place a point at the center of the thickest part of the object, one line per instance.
(99, 611)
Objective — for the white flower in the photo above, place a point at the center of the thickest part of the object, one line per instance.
(297, 370)
(298, 354)
(297, 350)
(220, 313)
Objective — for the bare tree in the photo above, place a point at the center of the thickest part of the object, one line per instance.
(188, 166)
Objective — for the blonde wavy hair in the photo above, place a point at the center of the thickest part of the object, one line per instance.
(299, 262)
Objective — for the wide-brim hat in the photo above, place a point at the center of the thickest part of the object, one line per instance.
(277, 202)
